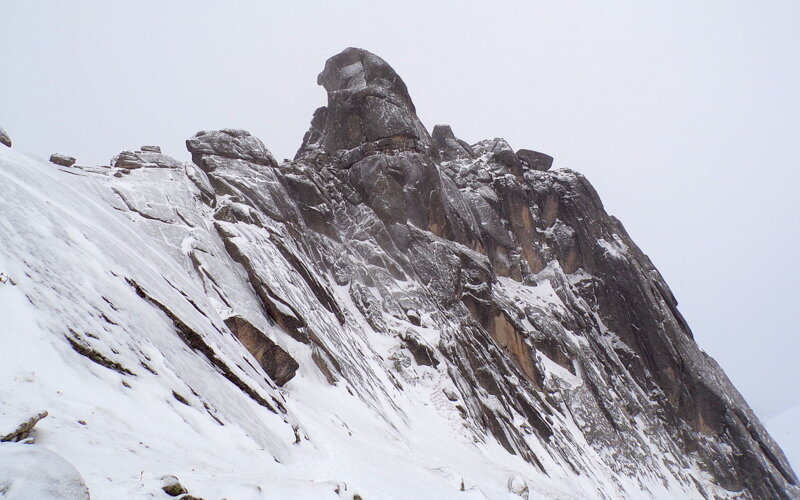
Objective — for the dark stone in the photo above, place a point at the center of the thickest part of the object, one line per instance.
(422, 352)
(171, 486)
(502, 153)
(535, 160)
(63, 160)
(4, 138)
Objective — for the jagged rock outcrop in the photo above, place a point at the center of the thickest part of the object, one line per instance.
(369, 110)
(424, 281)
(448, 145)
(534, 227)
(148, 156)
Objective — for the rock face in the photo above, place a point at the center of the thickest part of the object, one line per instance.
(415, 271)
(369, 109)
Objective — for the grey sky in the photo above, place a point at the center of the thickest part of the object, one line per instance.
(684, 117)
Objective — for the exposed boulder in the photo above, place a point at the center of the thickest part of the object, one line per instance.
(4, 138)
(172, 486)
(144, 158)
(229, 143)
(535, 160)
(278, 363)
(63, 160)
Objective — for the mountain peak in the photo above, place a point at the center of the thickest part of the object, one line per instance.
(368, 104)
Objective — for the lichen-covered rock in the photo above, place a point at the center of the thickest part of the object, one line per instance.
(172, 486)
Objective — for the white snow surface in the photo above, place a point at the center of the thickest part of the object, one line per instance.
(72, 244)
(28, 472)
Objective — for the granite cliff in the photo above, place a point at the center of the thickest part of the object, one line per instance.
(392, 314)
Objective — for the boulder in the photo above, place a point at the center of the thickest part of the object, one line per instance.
(63, 160)
(145, 158)
(279, 364)
(535, 160)
(229, 143)
(172, 486)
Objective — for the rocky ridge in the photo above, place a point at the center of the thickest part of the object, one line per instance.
(405, 266)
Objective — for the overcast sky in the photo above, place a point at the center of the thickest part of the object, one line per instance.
(684, 117)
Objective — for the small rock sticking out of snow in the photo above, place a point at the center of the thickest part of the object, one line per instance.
(13, 432)
(518, 486)
(172, 486)
(63, 160)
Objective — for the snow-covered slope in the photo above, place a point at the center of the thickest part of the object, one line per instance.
(391, 315)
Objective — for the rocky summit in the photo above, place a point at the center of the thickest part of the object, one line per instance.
(392, 314)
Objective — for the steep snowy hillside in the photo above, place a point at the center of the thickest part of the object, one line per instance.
(391, 315)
